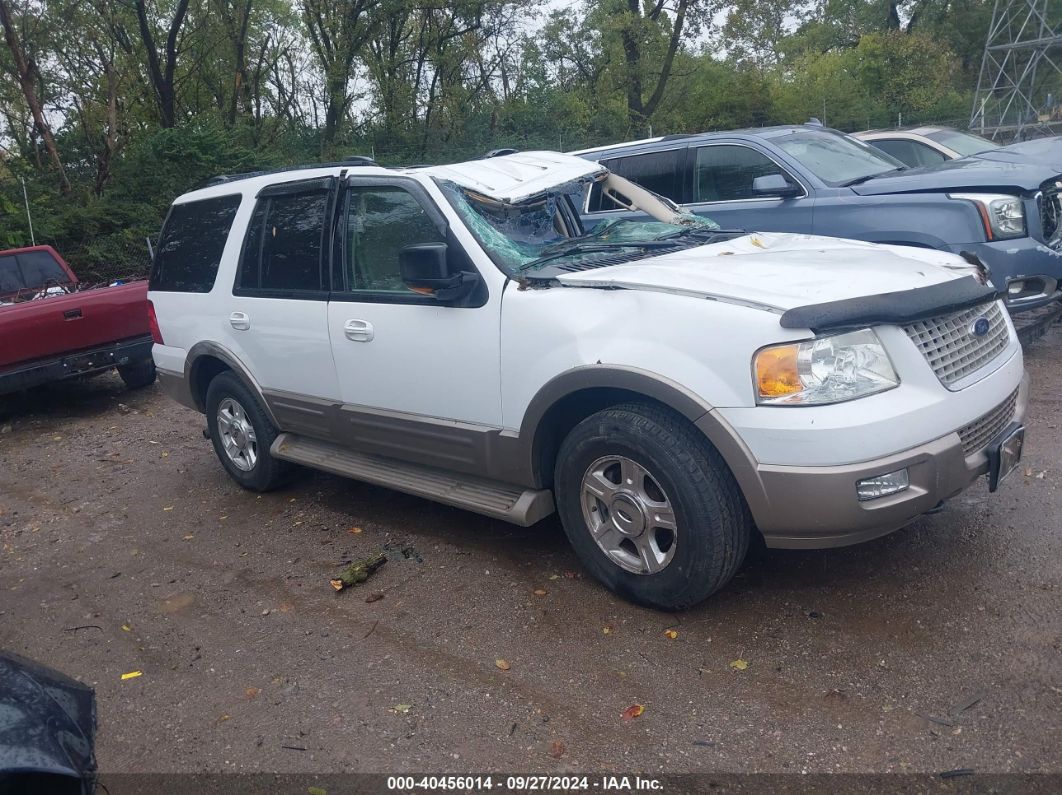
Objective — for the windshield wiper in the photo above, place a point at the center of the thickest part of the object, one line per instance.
(861, 180)
(593, 248)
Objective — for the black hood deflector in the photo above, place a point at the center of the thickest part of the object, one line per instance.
(897, 308)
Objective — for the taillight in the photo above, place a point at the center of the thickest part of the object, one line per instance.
(153, 323)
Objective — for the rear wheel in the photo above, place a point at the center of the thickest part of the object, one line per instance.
(242, 434)
(650, 506)
(138, 375)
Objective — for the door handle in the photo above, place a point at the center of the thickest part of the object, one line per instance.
(358, 330)
(72, 314)
(240, 321)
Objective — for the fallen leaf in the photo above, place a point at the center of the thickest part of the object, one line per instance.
(224, 718)
(316, 791)
(374, 597)
(126, 628)
(189, 537)
(252, 692)
(56, 438)
(739, 665)
(670, 634)
(557, 749)
(336, 584)
(554, 576)
(401, 709)
(503, 665)
(132, 675)
(169, 508)
(540, 592)
(633, 711)
(355, 530)
(607, 629)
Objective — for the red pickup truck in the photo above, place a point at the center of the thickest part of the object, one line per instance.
(52, 327)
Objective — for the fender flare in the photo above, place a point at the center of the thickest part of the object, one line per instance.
(214, 350)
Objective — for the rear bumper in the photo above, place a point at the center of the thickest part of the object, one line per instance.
(815, 507)
(71, 365)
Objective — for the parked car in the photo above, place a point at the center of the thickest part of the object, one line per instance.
(931, 146)
(52, 327)
(47, 730)
(667, 387)
(810, 179)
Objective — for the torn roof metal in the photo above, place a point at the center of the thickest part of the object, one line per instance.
(517, 177)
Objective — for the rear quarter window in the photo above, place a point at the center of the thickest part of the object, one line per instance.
(191, 243)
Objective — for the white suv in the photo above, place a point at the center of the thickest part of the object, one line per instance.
(667, 387)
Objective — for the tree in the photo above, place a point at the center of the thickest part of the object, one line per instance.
(162, 72)
(28, 75)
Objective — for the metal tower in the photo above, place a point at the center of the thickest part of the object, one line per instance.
(1019, 90)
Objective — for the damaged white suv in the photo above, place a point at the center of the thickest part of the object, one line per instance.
(667, 387)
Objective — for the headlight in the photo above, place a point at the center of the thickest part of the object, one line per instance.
(823, 370)
(1003, 216)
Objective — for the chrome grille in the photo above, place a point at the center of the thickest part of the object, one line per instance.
(1050, 204)
(949, 347)
(983, 430)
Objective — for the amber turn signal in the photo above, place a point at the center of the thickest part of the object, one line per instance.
(776, 371)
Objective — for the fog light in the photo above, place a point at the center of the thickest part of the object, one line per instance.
(1016, 287)
(882, 485)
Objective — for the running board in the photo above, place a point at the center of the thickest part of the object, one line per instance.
(488, 497)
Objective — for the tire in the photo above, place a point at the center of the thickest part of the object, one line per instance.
(138, 374)
(645, 453)
(249, 433)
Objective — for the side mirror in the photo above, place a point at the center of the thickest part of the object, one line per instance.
(425, 269)
(775, 185)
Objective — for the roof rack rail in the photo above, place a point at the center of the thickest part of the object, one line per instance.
(347, 162)
(505, 150)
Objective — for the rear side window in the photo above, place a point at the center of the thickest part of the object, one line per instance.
(660, 172)
(31, 270)
(286, 245)
(191, 243)
(909, 152)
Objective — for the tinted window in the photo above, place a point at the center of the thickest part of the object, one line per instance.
(725, 173)
(657, 171)
(31, 270)
(191, 243)
(381, 221)
(285, 244)
(910, 153)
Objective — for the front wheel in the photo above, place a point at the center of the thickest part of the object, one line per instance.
(650, 506)
(242, 434)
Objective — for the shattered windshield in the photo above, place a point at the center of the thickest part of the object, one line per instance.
(528, 235)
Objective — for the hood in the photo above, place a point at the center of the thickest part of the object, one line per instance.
(1042, 151)
(779, 271)
(47, 722)
(975, 172)
(518, 177)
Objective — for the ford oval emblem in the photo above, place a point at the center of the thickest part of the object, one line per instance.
(979, 327)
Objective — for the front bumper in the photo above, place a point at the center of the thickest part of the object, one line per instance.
(813, 507)
(1021, 260)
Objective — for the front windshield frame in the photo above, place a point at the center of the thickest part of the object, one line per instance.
(506, 254)
(970, 143)
(878, 162)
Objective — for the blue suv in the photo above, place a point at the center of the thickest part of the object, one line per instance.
(811, 179)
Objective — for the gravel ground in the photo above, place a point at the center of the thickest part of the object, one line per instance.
(124, 547)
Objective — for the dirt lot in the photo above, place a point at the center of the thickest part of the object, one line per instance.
(125, 548)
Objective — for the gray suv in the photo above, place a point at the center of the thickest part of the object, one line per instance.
(811, 179)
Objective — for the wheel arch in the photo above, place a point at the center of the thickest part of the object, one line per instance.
(574, 395)
(205, 361)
